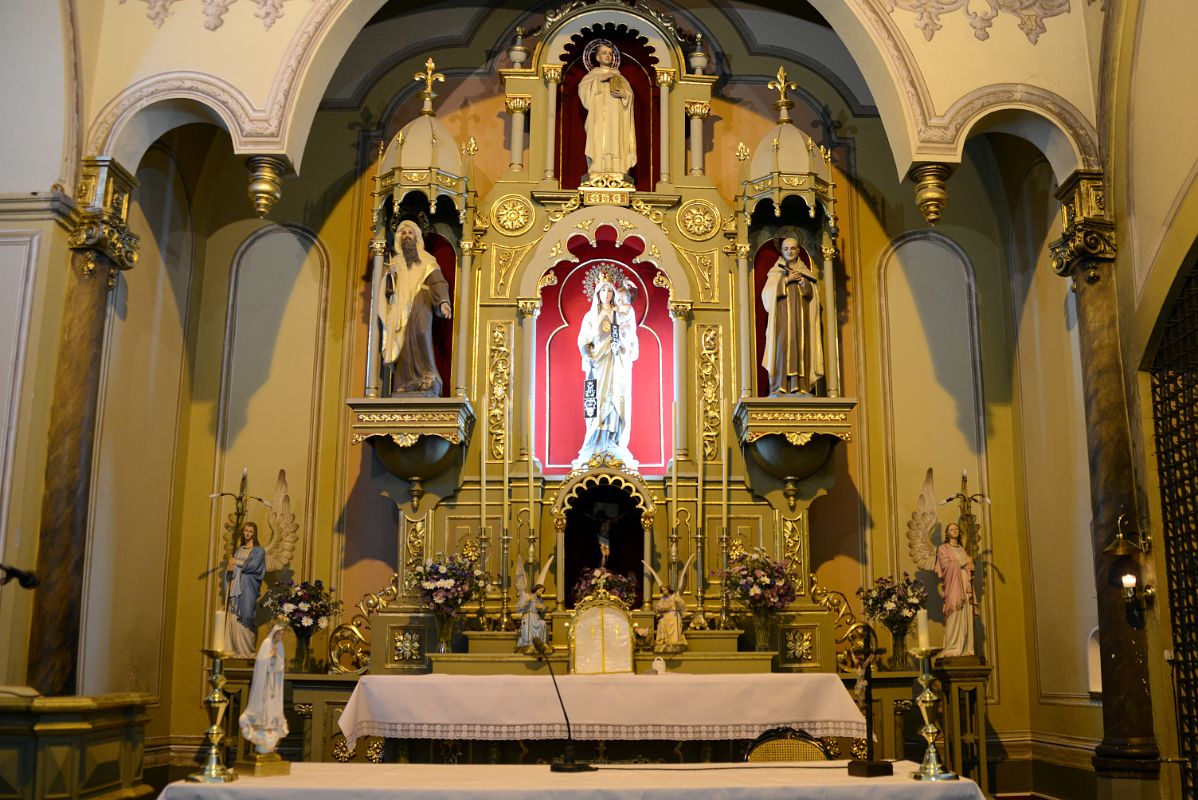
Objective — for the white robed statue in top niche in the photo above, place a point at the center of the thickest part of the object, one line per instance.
(607, 340)
(607, 97)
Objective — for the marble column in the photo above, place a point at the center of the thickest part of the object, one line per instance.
(697, 111)
(1086, 255)
(517, 105)
(530, 309)
(553, 76)
(102, 246)
(665, 79)
(744, 272)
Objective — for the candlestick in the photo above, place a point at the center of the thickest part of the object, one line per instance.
(214, 770)
(931, 769)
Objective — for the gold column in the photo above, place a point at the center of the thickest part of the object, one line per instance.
(665, 79)
(697, 111)
(553, 76)
(1085, 254)
(517, 106)
(103, 246)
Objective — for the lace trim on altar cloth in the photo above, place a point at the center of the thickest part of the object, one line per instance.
(591, 731)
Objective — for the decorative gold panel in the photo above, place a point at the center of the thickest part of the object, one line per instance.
(710, 412)
(504, 262)
(698, 220)
(499, 382)
(512, 215)
(702, 264)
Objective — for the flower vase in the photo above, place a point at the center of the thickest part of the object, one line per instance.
(761, 631)
(301, 660)
(900, 658)
(446, 625)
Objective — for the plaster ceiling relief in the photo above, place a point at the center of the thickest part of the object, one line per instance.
(268, 11)
(981, 14)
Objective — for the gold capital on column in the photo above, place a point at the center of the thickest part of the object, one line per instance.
(666, 77)
(1087, 234)
(697, 109)
(518, 103)
(103, 194)
(529, 307)
(931, 189)
(552, 73)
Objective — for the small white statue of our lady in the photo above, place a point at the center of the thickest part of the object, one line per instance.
(607, 97)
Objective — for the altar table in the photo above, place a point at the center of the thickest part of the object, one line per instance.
(825, 780)
(674, 707)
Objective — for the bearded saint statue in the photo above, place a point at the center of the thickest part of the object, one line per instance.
(412, 291)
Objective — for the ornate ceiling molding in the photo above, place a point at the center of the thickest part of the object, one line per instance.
(937, 136)
(268, 11)
(1031, 14)
(252, 129)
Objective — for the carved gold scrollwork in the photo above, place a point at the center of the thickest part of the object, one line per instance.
(559, 210)
(603, 469)
(342, 751)
(848, 629)
(651, 213)
(710, 412)
(349, 643)
(499, 379)
(800, 646)
(548, 279)
(504, 263)
(698, 220)
(1088, 235)
(662, 281)
(374, 750)
(703, 265)
(792, 549)
(414, 537)
(512, 215)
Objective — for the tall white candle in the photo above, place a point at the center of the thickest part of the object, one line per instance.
(921, 628)
(219, 625)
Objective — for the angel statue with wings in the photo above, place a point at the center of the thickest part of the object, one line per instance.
(669, 609)
(247, 560)
(531, 609)
(952, 561)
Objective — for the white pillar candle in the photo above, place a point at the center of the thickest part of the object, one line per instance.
(921, 628)
(219, 625)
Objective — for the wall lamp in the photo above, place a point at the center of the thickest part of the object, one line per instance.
(1127, 543)
(1132, 596)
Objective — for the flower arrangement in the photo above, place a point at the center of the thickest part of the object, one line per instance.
(306, 607)
(893, 601)
(760, 582)
(446, 586)
(617, 585)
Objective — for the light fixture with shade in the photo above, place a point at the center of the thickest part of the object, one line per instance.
(1127, 544)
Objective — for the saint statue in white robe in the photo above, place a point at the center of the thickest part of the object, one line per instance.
(607, 97)
(263, 722)
(794, 340)
(413, 290)
(607, 340)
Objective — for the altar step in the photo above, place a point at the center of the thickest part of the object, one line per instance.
(698, 642)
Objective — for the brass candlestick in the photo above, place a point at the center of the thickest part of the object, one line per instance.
(217, 701)
(931, 769)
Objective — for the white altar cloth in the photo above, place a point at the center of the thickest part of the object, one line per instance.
(613, 707)
(819, 781)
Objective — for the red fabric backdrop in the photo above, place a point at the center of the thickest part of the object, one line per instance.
(636, 66)
(443, 251)
(560, 425)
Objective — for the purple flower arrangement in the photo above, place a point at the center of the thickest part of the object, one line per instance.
(760, 582)
(893, 602)
(304, 606)
(446, 586)
(621, 586)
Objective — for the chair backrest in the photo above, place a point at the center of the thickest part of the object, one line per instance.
(601, 635)
(786, 744)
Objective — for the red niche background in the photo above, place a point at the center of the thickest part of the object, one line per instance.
(560, 426)
(440, 248)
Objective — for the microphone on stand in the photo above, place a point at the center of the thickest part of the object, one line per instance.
(25, 579)
(567, 762)
(869, 768)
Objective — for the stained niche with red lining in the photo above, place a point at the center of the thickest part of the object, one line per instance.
(637, 66)
(560, 425)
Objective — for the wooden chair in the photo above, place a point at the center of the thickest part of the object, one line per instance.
(787, 744)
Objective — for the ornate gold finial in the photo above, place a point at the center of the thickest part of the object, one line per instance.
(470, 148)
(931, 189)
(783, 104)
(742, 152)
(429, 76)
(775, 144)
(266, 182)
